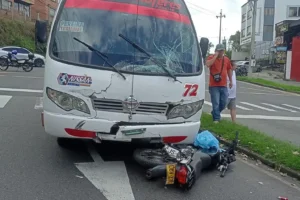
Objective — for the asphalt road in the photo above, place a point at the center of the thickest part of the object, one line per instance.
(34, 167)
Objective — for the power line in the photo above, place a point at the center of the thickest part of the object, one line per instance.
(199, 7)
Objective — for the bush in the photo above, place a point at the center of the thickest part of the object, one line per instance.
(17, 33)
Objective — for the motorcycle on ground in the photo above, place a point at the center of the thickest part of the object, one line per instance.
(182, 164)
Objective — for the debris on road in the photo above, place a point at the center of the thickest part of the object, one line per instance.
(258, 162)
(79, 176)
(261, 183)
(283, 174)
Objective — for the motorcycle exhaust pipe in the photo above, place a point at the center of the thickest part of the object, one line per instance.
(156, 172)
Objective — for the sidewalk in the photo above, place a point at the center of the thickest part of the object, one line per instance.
(274, 76)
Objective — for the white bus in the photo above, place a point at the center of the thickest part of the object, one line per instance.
(123, 70)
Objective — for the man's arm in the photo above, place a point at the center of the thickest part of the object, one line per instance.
(229, 71)
(211, 60)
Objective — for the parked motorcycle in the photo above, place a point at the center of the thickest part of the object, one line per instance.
(241, 70)
(10, 60)
(183, 164)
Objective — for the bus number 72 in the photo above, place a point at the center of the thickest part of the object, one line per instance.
(190, 90)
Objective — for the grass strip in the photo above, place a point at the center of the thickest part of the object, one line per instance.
(280, 152)
(272, 84)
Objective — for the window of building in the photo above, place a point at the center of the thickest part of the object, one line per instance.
(249, 14)
(294, 11)
(51, 14)
(268, 33)
(5, 4)
(23, 9)
(243, 33)
(248, 30)
(244, 17)
(269, 11)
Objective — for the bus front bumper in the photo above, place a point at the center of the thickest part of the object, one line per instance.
(70, 126)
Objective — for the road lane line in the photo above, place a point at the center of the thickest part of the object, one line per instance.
(287, 105)
(243, 108)
(256, 106)
(20, 90)
(35, 77)
(4, 99)
(110, 177)
(278, 107)
(207, 103)
(39, 103)
(266, 117)
(240, 107)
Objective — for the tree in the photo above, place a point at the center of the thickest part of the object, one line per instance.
(235, 41)
(210, 45)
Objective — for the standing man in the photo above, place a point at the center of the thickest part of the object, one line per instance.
(220, 68)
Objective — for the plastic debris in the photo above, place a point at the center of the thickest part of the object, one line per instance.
(79, 176)
(283, 198)
(261, 183)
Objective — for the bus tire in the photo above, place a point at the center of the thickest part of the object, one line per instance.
(64, 142)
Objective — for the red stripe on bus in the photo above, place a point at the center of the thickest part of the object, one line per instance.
(127, 8)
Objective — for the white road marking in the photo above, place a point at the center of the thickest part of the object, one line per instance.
(241, 107)
(20, 90)
(267, 88)
(39, 103)
(27, 77)
(266, 117)
(110, 178)
(278, 107)
(256, 106)
(287, 105)
(207, 103)
(4, 99)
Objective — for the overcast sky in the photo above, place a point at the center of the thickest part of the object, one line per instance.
(204, 17)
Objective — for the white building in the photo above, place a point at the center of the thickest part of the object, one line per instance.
(269, 13)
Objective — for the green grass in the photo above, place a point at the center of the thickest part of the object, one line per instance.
(282, 153)
(267, 83)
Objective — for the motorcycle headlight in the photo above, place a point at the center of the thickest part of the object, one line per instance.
(186, 110)
(67, 102)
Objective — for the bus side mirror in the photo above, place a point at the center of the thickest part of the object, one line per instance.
(204, 46)
(41, 31)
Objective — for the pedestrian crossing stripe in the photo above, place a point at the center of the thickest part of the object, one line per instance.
(267, 107)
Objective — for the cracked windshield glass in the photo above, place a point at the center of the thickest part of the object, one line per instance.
(176, 48)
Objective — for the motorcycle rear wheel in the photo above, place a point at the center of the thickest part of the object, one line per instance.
(150, 158)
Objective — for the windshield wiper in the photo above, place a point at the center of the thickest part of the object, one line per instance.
(158, 63)
(101, 55)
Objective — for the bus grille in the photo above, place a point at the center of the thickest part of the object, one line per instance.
(112, 105)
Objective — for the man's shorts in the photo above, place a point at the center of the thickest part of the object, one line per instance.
(231, 104)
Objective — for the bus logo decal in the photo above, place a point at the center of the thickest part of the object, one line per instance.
(74, 80)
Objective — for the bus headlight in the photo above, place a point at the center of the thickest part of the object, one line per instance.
(66, 101)
(185, 110)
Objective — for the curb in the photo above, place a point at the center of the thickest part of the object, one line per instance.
(265, 161)
(276, 88)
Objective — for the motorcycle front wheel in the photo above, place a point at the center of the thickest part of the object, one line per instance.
(27, 67)
(4, 63)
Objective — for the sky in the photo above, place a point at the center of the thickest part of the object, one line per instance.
(204, 14)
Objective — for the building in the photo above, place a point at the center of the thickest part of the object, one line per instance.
(29, 10)
(269, 13)
(44, 10)
(18, 9)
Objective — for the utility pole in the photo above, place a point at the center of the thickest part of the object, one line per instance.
(220, 16)
(252, 51)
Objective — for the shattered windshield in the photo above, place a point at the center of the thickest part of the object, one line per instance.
(162, 28)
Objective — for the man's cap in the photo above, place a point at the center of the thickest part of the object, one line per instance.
(220, 47)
